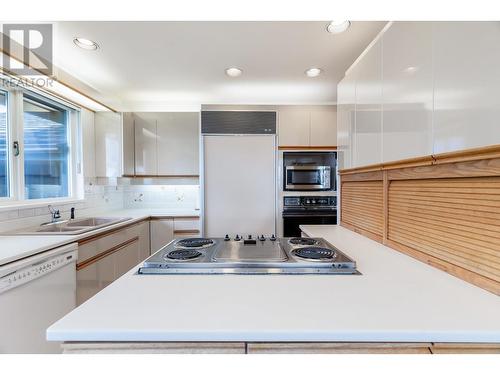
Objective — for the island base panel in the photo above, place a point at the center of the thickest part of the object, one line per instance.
(279, 348)
(154, 347)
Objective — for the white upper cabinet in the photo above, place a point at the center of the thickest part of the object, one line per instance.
(294, 128)
(88, 142)
(178, 144)
(407, 90)
(108, 144)
(467, 85)
(128, 144)
(323, 128)
(346, 115)
(307, 127)
(161, 143)
(439, 86)
(368, 129)
(146, 153)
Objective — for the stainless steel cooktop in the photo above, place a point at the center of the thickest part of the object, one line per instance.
(261, 255)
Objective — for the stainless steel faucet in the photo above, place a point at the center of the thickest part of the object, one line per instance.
(55, 214)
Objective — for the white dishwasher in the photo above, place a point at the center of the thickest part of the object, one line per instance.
(34, 293)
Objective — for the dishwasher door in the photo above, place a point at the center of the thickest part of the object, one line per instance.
(35, 292)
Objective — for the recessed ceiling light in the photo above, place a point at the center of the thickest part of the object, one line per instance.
(234, 72)
(411, 69)
(336, 27)
(313, 72)
(86, 43)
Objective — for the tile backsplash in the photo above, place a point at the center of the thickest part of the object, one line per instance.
(112, 196)
(175, 197)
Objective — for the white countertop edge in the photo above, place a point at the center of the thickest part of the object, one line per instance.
(252, 336)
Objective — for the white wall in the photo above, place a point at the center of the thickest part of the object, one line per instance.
(421, 88)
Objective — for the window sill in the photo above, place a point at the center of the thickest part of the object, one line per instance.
(17, 205)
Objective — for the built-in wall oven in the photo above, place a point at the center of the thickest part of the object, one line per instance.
(303, 210)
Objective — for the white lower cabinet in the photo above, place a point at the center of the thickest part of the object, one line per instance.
(104, 258)
(128, 257)
(162, 232)
(87, 283)
(165, 230)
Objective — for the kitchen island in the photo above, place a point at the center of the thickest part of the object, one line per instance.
(397, 305)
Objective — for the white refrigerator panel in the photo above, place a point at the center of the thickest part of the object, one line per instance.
(239, 185)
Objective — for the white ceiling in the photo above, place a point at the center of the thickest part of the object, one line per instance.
(156, 65)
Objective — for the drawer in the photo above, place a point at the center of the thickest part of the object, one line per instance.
(94, 245)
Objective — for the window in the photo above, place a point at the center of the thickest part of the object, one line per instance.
(4, 157)
(39, 148)
(46, 150)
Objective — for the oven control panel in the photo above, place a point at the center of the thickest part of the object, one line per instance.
(310, 201)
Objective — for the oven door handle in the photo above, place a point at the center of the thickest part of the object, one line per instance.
(304, 214)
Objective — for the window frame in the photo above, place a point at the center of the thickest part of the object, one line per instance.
(8, 146)
(15, 132)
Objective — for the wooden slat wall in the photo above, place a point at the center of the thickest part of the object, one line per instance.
(362, 205)
(443, 209)
(456, 220)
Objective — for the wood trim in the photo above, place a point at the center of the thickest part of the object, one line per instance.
(407, 163)
(161, 176)
(307, 148)
(108, 232)
(79, 347)
(472, 154)
(154, 347)
(365, 176)
(365, 169)
(479, 153)
(465, 348)
(363, 232)
(159, 218)
(385, 203)
(338, 348)
(473, 168)
(105, 253)
(186, 231)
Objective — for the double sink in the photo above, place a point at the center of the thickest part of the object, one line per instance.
(74, 226)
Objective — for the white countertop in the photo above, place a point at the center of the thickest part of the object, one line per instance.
(396, 298)
(13, 248)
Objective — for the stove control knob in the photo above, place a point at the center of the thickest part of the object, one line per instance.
(273, 238)
(308, 201)
(313, 201)
(249, 236)
(262, 238)
(237, 238)
(226, 237)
